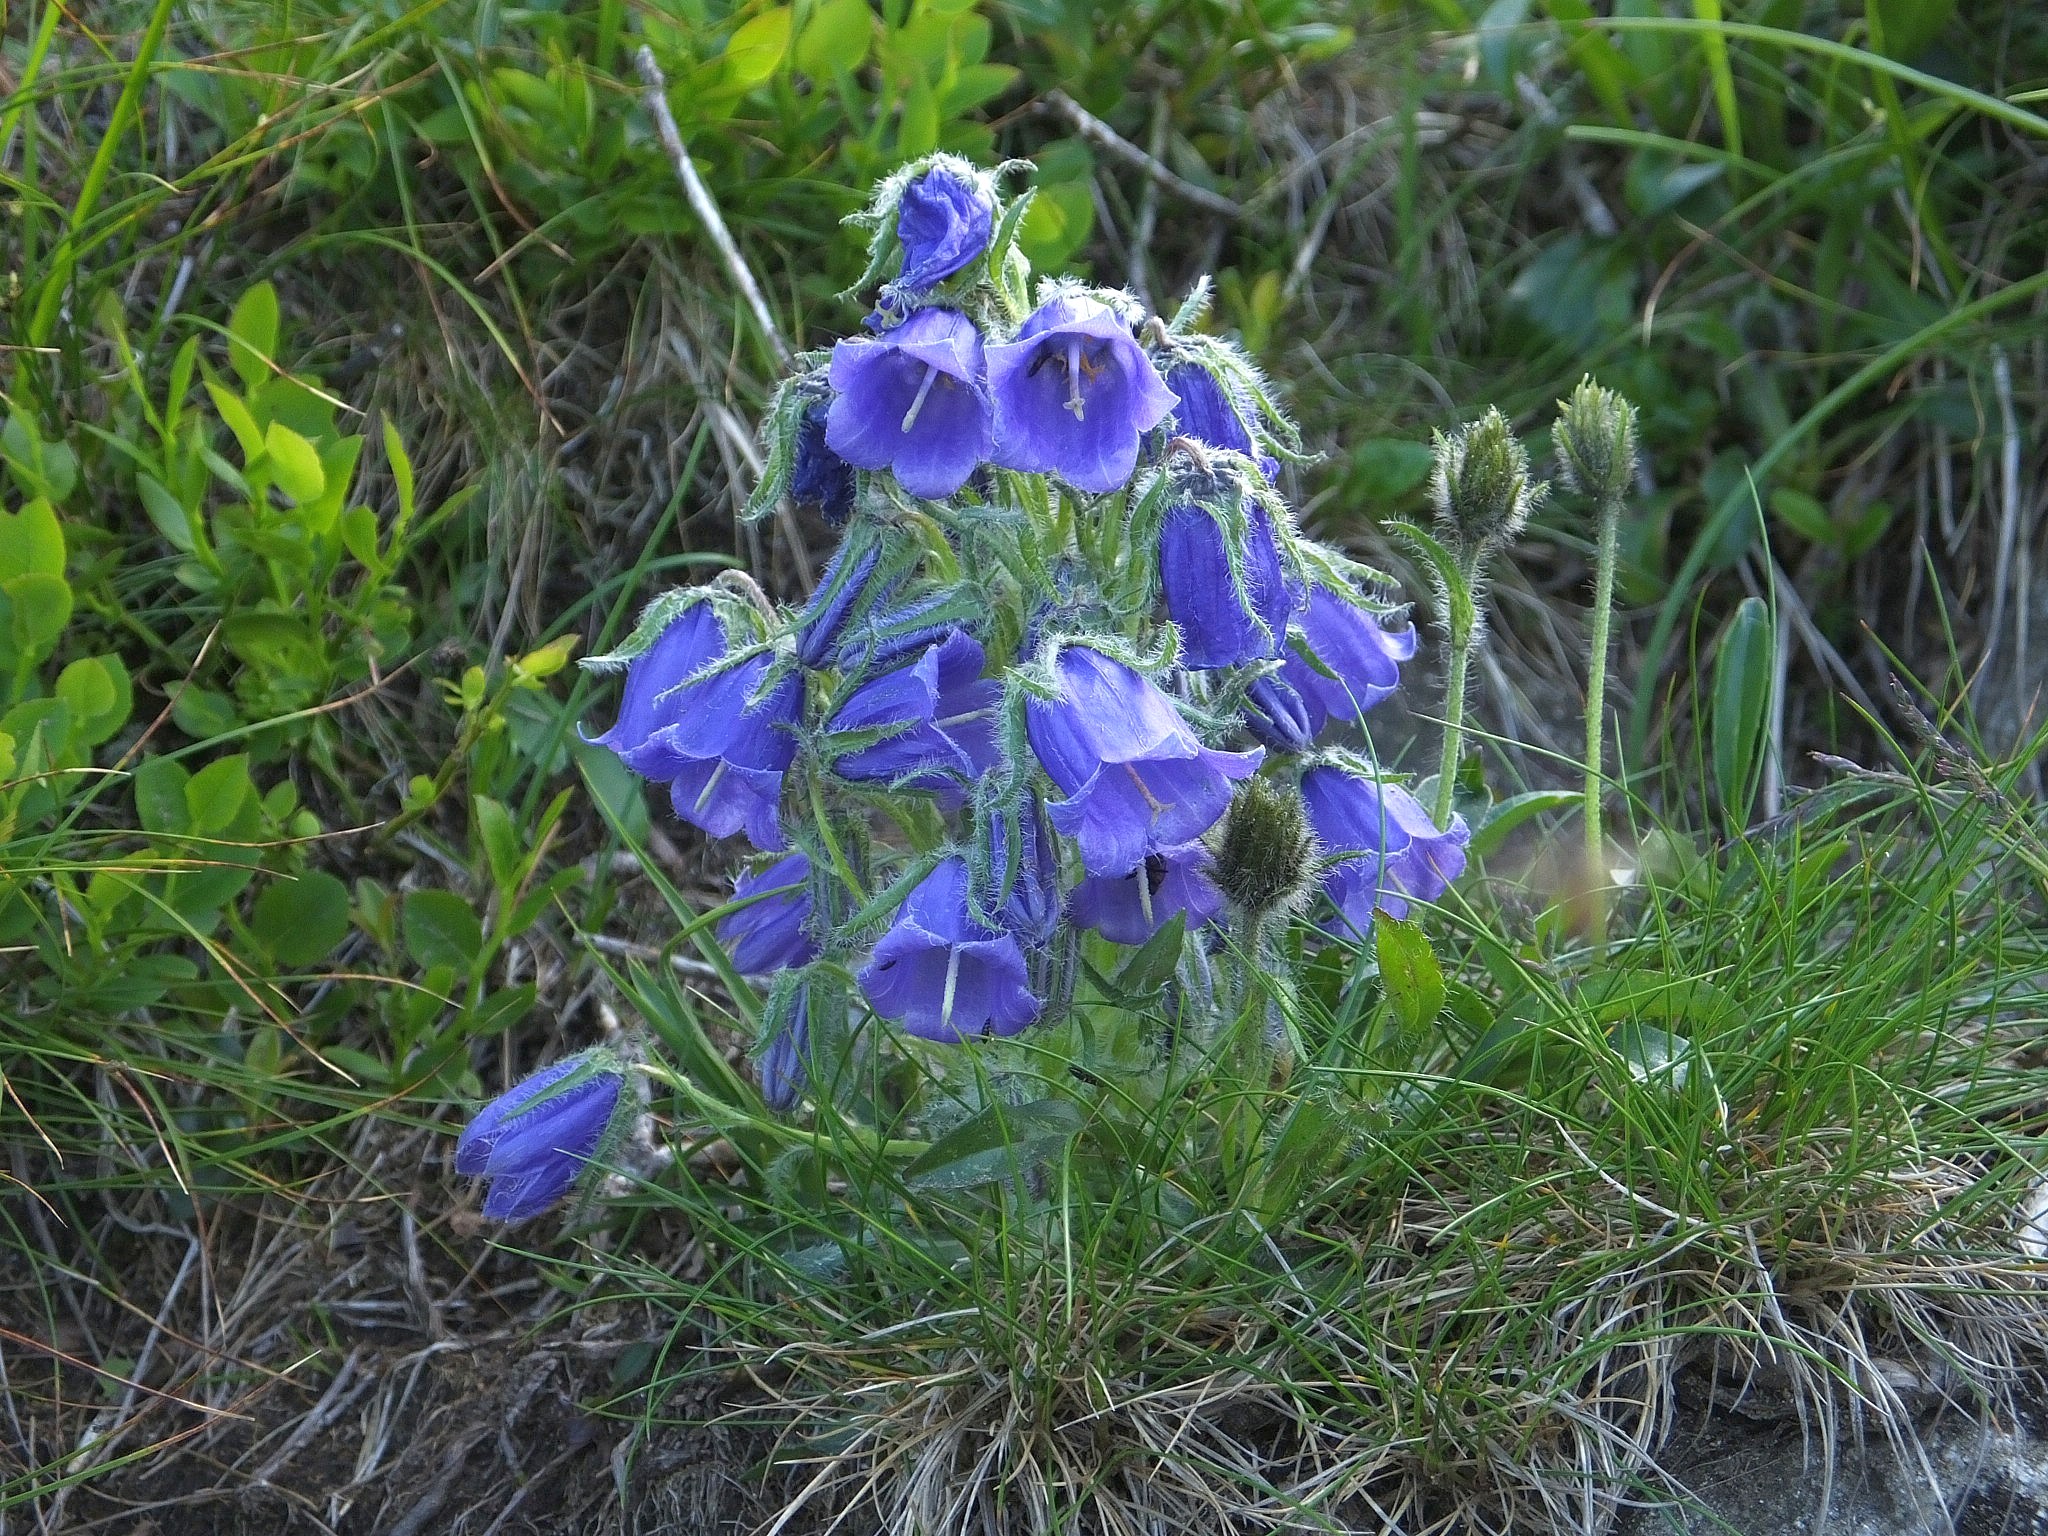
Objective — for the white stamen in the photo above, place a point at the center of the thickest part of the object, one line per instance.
(1145, 894)
(910, 416)
(710, 784)
(952, 985)
(1074, 379)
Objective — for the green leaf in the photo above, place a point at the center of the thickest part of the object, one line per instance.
(98, 691)
(836, 39)
(37, 608)
(1804, 516)
(294, 464)
(501, 843)
(31, 541)
(160, 795)
(1152, 967)
(167, 513)
(499, 1011)
(441, 928)
(240, 422)
(401, 476)
(995, 1144)
(1411, 975)
(252, 335)
(216, 795)
(1385, 469)
(1903, 29)
(47, 470)
(757, 48)
(1499, 820)
(1743, 670)
(300, 922)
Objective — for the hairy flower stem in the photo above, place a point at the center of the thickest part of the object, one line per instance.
(1596, 719)
(1463, 637)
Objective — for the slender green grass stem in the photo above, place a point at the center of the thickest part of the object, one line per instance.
(1596, 717)
(1463, 631)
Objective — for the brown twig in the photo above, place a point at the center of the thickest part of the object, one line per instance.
(1102, 136)
(702, 204)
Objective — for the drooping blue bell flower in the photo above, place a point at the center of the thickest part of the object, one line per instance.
(1278, 715)
(941, 715)
(720, 749)
(1385, 851)
(1130, 908)
(942, 973)
(1135, 777)
(914, 400)
(944, 221)
(1225, 616)
(534, 1140)
(818, 477)
(1210, 413)
(1073, 395)
(769, 934)
(1357, 647)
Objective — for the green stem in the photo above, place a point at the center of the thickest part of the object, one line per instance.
(1463, 627)
(1596, 716)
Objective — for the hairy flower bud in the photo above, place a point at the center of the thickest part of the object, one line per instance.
(1480, 486)
(1265, 861)
(1596, 442)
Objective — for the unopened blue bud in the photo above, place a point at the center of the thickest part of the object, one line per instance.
(1278, 715)
(534, 1141)
(819, 477)
(839, 592)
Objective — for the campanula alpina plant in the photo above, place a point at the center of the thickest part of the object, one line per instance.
(1053, 707)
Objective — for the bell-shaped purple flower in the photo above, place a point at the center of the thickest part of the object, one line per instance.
(1225, 616)
(944, 221)
(721, 750)
(942, 973)
(1278, 715)
(1073, 394)
(1130, 908)
(1135, 776)
(818, 477)
(1024, 892)
(913, 399)
(1363, 653)
(1385, 850)
(769, 934)
(534, 1140)
(940, 713)
(1211, 413)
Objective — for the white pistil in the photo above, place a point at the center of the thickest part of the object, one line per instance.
(952, 985)
(1145, 894)
(931, 375)
(710, 784)
(1074, 379)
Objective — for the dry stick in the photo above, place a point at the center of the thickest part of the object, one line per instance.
(1100, 134)
(701, 202)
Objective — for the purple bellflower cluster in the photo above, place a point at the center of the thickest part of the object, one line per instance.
(1070, 626)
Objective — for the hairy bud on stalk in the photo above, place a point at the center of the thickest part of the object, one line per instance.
(1480, 486)
(1596, 442)
(1265, 861)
